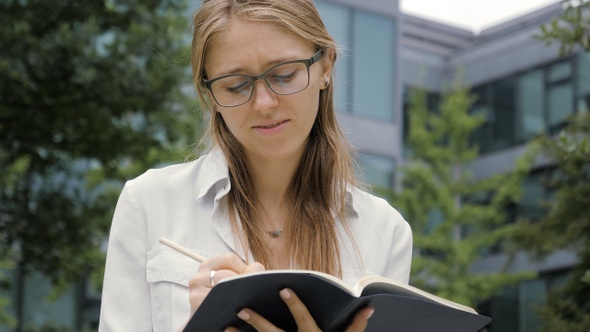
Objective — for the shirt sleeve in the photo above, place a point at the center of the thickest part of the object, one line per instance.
(125, 302)
(400, 258)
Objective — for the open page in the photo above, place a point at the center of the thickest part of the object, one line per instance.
(386, 285)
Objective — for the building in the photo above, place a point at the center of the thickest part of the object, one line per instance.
(522, 85)
(524, 89)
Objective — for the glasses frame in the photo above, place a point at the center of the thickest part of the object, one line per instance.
(308, 62)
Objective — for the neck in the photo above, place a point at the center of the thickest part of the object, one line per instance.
(272, 179)
(272, 186)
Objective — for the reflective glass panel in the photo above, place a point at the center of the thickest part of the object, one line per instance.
(560, 102)
(530, 106)
(373, 66)
(337, 21)
(504, 115)
(583, 82)
(377, 170)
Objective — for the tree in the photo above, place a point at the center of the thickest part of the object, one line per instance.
(453, 216)
(571, 28)
(567, 307)
(90, 95)
(568, 222)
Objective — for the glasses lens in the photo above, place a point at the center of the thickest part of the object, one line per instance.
(232, 90)
(284, 79)
(288, 78)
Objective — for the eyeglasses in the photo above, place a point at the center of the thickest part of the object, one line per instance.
(283, 79)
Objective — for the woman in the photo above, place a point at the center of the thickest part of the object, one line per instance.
(275, 191)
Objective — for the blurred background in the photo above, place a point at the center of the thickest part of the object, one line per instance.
(470, 117)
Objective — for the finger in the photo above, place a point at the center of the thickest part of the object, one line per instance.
(231, 329)
(299, 311)
(220, 275)
(258, 322)
(361, 320)
(225, 261)
(200, 284)
(254, 267)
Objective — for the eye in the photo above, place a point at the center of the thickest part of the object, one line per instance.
(284, 77)
(236, 84)
(284, 73)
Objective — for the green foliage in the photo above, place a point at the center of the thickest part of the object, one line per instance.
(568, 224)
(454, 217)
(91, 94)
(5, 283)
(571, 28)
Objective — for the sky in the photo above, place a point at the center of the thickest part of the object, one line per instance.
(474, 15)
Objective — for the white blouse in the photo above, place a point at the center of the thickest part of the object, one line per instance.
(146, 284)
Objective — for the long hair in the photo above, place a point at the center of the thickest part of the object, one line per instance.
(317, 194)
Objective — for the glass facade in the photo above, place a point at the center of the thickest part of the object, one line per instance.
(515, 308)
(337, 20)
(366, 67)
(373, 66)
(529, 105)
(582, 74)
(365, 75)
(432, 103)
(377, 170)
(540, 100)
(77, 309)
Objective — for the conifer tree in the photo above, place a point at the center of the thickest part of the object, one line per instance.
(566, 226)
(454, 217)
(567, 223)
(571, 28)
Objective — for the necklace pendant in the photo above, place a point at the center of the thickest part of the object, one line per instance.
(275, 233)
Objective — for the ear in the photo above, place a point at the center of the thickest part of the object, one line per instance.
(327, 62)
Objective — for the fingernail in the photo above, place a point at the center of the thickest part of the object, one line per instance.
(243, 315)
(370, 313)
(285, 294)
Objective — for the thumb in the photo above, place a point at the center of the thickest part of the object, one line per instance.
(254, 267)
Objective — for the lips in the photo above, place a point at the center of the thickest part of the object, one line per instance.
(270, 126)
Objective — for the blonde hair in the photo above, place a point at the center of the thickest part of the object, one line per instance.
(318, 191)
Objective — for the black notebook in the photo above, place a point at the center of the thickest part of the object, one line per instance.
(398, 306)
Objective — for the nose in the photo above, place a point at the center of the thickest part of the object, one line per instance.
(264, 99)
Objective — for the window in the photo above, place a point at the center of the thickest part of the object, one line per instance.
(560, 95)
(365, 69)
(560, 105)
(583, 83)
(482, 136)
(535, 193)
(529, 105)
(373, 66)
(515, 308)
(537, 101)
(432, 104)
(377, 170)
(337, 21)
(504, 113)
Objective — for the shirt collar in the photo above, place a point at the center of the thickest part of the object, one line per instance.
(215, 174)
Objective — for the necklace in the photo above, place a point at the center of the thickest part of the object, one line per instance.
(275, 234)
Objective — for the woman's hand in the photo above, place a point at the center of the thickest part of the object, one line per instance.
(224, 266)
(303, 318)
